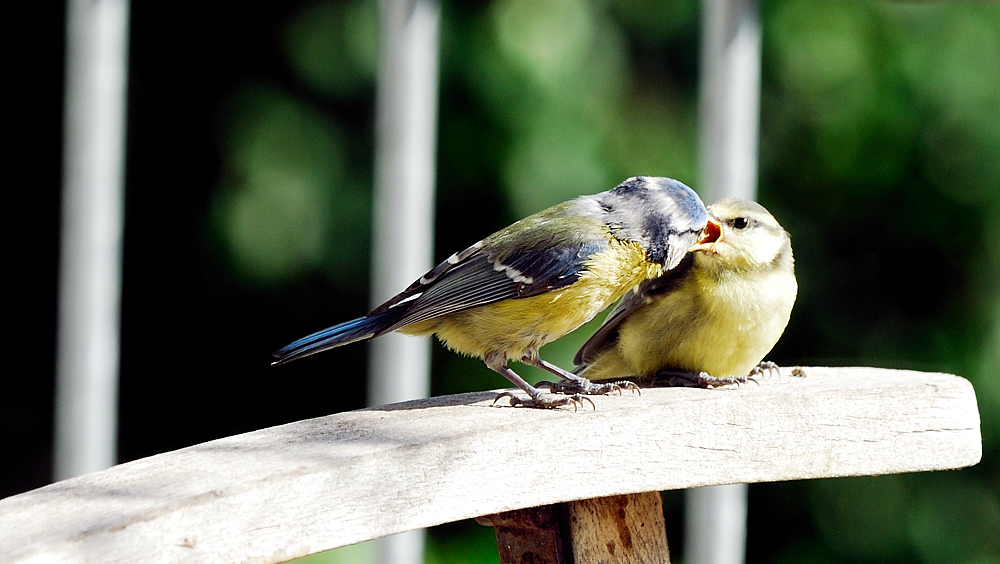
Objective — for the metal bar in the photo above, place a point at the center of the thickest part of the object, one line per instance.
(406, 128)
(729, 105)
(90, 263)
(715, 529)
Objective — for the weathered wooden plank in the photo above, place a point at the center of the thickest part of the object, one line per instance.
(312, 485)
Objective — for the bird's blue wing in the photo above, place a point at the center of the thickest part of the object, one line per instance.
(479, 277)
(552, 248)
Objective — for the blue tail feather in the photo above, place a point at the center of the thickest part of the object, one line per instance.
(360, 329)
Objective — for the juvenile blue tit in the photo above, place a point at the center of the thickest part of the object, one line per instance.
(536, 280)
(711, 320)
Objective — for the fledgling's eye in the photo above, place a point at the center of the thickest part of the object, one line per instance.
(740, 222)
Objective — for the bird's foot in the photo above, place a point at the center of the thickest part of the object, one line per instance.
(546, 401)
(765, 366)
(586, 387)
(707, 381)
(666, 378)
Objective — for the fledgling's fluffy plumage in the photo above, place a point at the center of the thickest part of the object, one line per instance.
(536, 280)
(717, 314)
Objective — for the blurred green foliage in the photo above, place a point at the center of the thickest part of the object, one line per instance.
(880, 153)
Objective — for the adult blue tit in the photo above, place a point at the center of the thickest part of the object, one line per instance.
(536, 280)
(713, 318)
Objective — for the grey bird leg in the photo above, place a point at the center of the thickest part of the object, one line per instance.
(536, 397)
(574, 384)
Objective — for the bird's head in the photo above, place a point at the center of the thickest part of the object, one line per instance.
(742, 235)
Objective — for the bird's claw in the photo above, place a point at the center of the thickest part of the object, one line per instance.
(765, 366)
(589, 388)
(707, 381)
(699, 380)
(608, 387)
(546, 401)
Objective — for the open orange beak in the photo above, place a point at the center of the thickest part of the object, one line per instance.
(711, 235)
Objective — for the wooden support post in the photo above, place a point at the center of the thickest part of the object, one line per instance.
(618, 529)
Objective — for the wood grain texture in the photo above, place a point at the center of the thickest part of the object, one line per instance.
(309, 486)
(620, 529)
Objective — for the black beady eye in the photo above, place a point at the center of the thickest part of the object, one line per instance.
(739, 222)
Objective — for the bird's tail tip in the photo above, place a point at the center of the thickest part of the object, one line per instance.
(360, 329)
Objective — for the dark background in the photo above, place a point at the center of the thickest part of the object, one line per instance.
(249, 166)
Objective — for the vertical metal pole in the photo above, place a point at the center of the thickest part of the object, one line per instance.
(715, 525)
(90, 263)
(729, 116)
(729, 104)
(406, 127)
